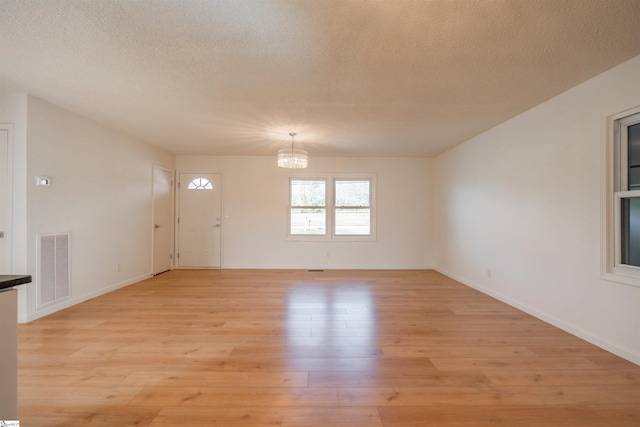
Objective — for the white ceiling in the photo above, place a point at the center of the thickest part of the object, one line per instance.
(352, 78)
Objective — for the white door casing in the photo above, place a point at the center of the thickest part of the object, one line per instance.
(162, 220)
(199, 220)
(5, 198)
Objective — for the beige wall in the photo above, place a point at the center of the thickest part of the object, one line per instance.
(255, 200)
(524, 200)
(101, 194)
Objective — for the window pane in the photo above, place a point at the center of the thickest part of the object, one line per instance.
(353, 221)
(630, 231)
(353, 193)
(200, 184)
(634, 156)
(308, 221)
(307, 193)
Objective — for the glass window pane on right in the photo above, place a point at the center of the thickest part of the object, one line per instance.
(633, 143)
(621, 257)
(354, 222)
(352, 207)
(353, 193)
(630, 231)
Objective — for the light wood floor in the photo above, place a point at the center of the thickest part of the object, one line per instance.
(298, 348)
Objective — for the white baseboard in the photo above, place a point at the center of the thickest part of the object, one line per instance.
(50, 309)
(601, 342)
(326, 267)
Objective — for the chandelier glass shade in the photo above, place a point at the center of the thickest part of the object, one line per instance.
(292, 158)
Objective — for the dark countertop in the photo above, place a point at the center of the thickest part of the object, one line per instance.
(9, 281)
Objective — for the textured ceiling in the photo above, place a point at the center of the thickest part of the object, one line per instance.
(352, 78)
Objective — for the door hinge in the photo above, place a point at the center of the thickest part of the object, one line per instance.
(178, 220)
(1, 234)
(178, 255)
(170, 256)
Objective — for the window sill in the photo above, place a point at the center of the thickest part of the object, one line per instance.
(625, 279)
(324, 238)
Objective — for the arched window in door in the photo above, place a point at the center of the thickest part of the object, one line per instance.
(200, 184)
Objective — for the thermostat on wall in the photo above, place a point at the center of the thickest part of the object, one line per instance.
(43, 180)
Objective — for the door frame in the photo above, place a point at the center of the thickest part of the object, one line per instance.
(153, 215)
(8, 198)
(176, 239)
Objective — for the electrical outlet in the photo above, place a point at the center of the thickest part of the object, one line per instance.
(43, 180)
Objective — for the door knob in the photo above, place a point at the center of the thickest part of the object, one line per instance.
(156, 226)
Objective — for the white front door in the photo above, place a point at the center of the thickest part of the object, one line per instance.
(162, 220)
(5, 201)
(199, 220)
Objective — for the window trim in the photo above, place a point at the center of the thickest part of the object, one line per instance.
(614, 185)
(330, 182)
(335, 207)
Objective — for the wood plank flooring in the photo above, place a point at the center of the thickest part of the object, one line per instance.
(297, 348)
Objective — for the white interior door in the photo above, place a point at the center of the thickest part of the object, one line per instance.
(162, 220)
(199, 220)
(5, 201)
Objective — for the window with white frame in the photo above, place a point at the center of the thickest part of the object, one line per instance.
(332, 207)
(352, 203)
(307, 207)
(623, 243)
(200, 184)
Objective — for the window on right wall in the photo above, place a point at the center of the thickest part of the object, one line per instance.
(623, 224)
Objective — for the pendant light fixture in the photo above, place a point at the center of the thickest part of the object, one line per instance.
(291, 158)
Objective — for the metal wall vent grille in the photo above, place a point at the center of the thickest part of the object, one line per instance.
(53, 269)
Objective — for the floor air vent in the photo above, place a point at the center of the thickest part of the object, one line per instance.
(53, 268)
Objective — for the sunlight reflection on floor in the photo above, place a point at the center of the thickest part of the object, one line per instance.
(340, 320)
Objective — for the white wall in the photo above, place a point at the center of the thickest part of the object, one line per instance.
(101, 194)
(524, 200)
(255, 197)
